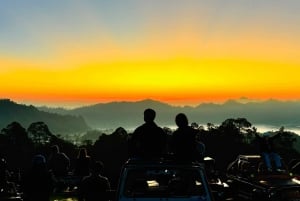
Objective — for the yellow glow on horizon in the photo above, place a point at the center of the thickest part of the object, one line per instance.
(178, 63)
(169, 80)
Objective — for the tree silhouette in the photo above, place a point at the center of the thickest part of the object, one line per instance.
(16, 133)
(285, 144)
(39, 133)
(112, 150)
(16, 145)
(211, 126)
(231, 138)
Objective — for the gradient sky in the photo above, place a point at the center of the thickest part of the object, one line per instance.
(71, 52)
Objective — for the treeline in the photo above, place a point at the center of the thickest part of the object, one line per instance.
(223, 142)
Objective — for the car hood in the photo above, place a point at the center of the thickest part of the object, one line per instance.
(277, 181)
(195, 198)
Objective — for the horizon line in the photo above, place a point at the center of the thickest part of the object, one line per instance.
(73, 104)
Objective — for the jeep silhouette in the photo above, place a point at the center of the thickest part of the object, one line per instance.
(162, 180)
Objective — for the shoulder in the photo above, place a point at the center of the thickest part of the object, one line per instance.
(103, 178)
(186, 130)
(139, 129)
(85, 179)
(63, 155)
(160, 129)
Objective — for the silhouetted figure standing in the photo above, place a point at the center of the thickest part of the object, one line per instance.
(7, 188)
(184, 143)
(95, 186)
(148, 140)
(266, 146)
(59, 162)
(82, 164)
(37, 184)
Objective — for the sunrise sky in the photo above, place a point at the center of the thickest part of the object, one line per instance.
(72, 53)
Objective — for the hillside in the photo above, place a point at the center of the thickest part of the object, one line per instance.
(25, 115)
(124, 114)
(130, 114)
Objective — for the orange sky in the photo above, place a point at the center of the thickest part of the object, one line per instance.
(177, 53)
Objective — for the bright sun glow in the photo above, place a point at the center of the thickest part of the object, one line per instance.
(178, 53)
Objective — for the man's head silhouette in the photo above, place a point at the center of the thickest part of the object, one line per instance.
(149, 115)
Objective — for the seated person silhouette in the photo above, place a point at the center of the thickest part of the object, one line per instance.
(82, 163)
(37, 183)
(7, 188)
(95, 186)
(267, 151)
(148, 140)
(58, 162)
(184, 144)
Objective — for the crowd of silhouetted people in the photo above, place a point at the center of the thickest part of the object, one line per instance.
(48, 176)
(148, 141)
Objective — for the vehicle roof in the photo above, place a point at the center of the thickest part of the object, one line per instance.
(160, 162)
(250, 157)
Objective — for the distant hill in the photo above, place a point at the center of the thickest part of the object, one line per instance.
(124, 114)
(25, 115)
(130, 114)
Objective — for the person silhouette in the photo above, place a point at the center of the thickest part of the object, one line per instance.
(184, 142)
(58, 162)
(37, 183)
(95, 186)
(7, 188)
(148, 140)
(83, 162)
(268, 153)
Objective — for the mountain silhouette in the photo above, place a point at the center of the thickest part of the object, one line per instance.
(130, 114)
(26, 115)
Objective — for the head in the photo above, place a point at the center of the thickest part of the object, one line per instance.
(97, 167)
(55, 149)
(3, 169)
(3, 164)
(181, 120)
(82, 153)
(39, 161)
(149, 115)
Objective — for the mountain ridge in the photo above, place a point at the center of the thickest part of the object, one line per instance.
(128, 114)
(270, 112)
(11, 111)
